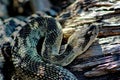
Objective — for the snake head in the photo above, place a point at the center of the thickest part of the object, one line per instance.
(83, 37)
(89, 36)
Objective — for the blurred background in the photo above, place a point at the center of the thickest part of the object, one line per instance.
(12, 8)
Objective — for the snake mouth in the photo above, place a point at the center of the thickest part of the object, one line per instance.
(39, 45)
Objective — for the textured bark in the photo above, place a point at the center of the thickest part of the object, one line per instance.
(109, 30)
(101, 58)
(110, 67)
(81, 12)
(104, 55)
(105, 31)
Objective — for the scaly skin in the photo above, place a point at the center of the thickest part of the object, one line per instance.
(31, 64)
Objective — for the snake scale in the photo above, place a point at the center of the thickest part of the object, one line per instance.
(45, 63)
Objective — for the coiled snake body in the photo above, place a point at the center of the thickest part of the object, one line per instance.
(44, 64)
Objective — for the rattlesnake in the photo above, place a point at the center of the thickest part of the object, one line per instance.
(46, 63)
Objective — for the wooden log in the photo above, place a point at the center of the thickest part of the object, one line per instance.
(109, 30)
(111, 66)
(105, 31)
(103, 69)
(95, 73)
(101, 60)
(72, 18)
(104, 50)
(94, 62)
(103, 3)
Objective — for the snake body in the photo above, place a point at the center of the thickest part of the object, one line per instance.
(45, 33)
